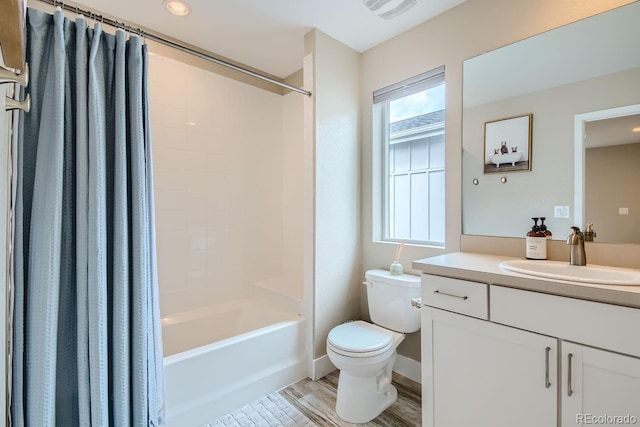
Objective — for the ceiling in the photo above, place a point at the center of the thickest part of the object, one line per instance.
(614, 131)
(269, 35)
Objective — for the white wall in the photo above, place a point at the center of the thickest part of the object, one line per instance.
(219, 166)
(337, 185)
(473, 27)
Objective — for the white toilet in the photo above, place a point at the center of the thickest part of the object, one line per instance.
(364, 352)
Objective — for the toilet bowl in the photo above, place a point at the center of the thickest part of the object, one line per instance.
(365, 352)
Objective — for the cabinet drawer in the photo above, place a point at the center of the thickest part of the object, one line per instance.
(459, 296)
(606, 326)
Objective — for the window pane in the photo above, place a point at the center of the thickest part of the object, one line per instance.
(420, 103)
(436, 149)
(419, 155)
(419, 207)
(401, 207)
(436, 206)
(400, 157)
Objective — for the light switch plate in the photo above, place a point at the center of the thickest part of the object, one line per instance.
(561, 212)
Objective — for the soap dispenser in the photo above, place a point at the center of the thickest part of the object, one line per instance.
(544, 229)
(536, 242)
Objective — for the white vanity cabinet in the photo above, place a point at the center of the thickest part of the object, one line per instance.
(477, 373)
(493, 356)
(598, 387)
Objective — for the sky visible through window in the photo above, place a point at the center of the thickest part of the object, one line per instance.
(419, 103)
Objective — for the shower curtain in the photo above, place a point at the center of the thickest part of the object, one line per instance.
(86, 344)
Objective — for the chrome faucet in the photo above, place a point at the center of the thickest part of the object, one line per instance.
(576, 241)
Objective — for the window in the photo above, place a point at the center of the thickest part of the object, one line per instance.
(410, 120)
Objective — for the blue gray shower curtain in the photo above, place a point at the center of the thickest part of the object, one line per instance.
(86, 334)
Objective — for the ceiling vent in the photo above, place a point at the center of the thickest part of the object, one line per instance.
(389, 9)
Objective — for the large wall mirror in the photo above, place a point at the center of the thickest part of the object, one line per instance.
(578, 82)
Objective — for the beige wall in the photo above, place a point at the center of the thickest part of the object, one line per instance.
(337, 185)
(468, 30)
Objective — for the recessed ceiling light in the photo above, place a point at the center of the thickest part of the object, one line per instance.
(636, 129)
(177, 7)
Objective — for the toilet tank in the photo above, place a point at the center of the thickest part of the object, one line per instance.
(389, 299)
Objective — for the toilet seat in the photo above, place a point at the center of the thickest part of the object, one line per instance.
(360, 339)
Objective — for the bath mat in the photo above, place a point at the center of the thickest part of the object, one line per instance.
(269, 411)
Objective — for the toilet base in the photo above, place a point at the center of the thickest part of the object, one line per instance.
(360, 400)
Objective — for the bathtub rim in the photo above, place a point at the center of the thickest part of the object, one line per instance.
(197, 351)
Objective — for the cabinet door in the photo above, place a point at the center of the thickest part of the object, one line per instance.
(481, 374)
(599, 387)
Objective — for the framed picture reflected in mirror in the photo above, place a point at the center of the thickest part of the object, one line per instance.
(507, 144)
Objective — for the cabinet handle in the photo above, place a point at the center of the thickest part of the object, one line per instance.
(569, 390)
(451, 295)
(547, 383)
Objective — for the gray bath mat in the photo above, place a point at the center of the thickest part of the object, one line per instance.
(269, 411)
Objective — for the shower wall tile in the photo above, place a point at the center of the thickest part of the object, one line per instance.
(164, 70)
(220, 185)
(167, 93)
(170, 116)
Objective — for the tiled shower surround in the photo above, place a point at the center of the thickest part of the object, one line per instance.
(228, 186)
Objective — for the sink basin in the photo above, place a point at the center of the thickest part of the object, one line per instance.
(598, 274)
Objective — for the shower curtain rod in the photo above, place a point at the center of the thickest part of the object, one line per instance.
(159, 39)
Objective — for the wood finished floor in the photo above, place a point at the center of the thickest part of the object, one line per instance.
(317, 400)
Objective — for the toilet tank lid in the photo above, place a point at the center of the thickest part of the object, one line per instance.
(384, 276)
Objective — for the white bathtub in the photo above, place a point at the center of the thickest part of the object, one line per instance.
(222, 357)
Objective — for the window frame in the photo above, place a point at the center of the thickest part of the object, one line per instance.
(381, 107)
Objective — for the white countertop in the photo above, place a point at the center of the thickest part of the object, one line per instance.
(484, 268)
